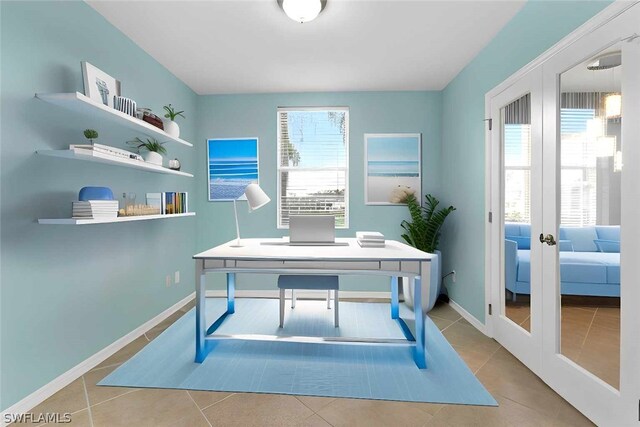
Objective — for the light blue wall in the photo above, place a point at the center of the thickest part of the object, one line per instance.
(255, 115)
(68, 292)
(538, 26)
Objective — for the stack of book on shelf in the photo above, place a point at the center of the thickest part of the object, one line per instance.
(104, 149)
(169, 203)
(370, 239)
(96, 209)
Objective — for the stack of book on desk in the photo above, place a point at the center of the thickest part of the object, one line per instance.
(96, 209)
(370, 239)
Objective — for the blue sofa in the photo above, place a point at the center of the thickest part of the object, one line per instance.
(589, 259)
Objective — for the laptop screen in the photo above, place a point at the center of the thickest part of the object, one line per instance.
(312, 229)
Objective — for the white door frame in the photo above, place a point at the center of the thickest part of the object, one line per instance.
(525, 345)
(599, 401)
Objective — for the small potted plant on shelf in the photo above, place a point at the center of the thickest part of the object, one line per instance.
(170, 126)
(423, 232)
(91, 134)
(154, 149)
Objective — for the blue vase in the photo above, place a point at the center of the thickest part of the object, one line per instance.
(95, 193)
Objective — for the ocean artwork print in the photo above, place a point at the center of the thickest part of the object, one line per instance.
(393, 165)
(233, 164)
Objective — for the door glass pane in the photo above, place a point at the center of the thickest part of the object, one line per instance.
(589, 235)
(516, 154)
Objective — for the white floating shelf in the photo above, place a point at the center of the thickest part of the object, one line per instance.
(111, 160)
(80, 103)
(82, 221)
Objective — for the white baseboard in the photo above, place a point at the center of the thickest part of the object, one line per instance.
(468, 317)
(47, 390)
(299, 294)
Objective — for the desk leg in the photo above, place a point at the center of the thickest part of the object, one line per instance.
(201, 318)
(395, 309)
(419, 352)
(231, 293)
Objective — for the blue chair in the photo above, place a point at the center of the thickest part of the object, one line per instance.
(293, 282)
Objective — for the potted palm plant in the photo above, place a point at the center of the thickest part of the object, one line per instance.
(154, 149)
(170, 125)
(423, 232)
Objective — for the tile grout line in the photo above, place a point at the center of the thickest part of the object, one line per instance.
(311, 409)
(487, 361)
(86, 396)
(215, 403)
(588, 330)
(115, 397)
(201, 413)
(453, 323)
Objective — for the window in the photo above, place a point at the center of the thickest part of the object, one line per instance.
(313, 159)
(579, 173)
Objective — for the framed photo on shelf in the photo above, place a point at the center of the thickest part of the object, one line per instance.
(233, 164)
(393, 167)
(98, 85)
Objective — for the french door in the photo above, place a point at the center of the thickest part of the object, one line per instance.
(516, 134)
(564, 240)
(591, 185)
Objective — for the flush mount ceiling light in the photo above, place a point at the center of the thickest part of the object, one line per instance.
(302, 10)
(605, 62)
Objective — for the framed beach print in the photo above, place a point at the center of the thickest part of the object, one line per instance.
(392, 167)
(233, 164)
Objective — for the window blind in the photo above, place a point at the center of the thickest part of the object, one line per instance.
(578, 203)
(313, 146)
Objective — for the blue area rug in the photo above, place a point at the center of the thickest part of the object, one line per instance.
(367, 372)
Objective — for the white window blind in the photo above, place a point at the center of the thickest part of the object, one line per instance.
(578, 157)
(313, 147)
(578, 170)
(517, 162)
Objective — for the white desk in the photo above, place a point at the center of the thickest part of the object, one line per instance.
(395, 260)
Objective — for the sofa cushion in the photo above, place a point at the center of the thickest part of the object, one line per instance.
(511, 229)
(607, 245)
(523, 242)
(581, 238)
(565, 245)
(578, 267)
(525, 230)
(608, 232)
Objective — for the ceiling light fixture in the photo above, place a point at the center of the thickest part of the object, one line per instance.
(302, 10)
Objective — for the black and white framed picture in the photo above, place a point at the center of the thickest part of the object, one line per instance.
(98, 85)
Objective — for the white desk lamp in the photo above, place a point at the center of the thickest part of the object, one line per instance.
(256, 198)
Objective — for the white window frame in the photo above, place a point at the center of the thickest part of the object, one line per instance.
(280, 168)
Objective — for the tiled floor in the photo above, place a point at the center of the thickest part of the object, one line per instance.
(523, 398)
(590, 336)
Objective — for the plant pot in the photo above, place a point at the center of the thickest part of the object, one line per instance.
(153, 158)
(429, 293)
(171, 128)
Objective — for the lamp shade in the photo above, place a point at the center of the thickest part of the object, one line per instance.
(256, 198)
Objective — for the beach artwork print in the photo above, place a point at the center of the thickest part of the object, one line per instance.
(233, 164)
(392, 164)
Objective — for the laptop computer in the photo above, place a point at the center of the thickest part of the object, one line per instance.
(313, 230)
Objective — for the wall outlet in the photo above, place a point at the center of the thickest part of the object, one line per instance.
(453, 276)
(168, 280)
(177, 277)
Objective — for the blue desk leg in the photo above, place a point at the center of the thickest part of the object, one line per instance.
(395, 309)
(201, 320)
(419, 352)
(231, 293)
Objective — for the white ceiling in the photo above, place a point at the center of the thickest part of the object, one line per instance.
(251, 46)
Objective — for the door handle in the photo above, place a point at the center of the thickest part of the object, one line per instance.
(549, 239)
